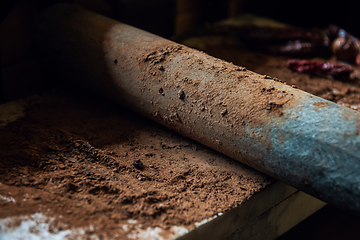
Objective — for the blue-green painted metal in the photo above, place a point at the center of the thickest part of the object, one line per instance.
(316, 149)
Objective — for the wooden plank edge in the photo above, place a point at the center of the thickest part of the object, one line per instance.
(278, 196)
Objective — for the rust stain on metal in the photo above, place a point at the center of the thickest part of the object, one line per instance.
(321, 104)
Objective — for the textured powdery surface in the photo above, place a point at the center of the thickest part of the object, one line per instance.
(34, 227)
(38, 227)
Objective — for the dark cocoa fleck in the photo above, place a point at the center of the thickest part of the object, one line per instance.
(138, 164)
(161, 91)
(181, 94)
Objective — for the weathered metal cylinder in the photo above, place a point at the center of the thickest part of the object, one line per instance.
(303, 140)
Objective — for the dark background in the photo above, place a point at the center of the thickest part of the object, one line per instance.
(21, 76)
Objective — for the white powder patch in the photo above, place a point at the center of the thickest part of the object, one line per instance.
(34, 227)
(131, 221)
(157, 233)
(198, 224)
(7, 199)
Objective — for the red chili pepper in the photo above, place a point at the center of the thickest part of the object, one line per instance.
(336, 70)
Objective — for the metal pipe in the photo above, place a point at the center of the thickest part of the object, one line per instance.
(303, 140)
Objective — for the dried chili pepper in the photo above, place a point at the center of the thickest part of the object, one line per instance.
(298, 42)
(293, 41)
(336, 70)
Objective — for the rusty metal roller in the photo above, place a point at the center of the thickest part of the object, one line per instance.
(303, 140)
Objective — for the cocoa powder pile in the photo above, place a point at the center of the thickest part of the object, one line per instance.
(71, 158)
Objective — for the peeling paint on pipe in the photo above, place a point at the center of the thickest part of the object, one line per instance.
(303, 140)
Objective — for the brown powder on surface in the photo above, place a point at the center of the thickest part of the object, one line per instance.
(346, 93)
(75, 158)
